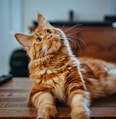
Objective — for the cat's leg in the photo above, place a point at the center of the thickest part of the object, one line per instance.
(45, 104)
(79, 102)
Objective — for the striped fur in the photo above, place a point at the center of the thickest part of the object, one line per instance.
(56, 73)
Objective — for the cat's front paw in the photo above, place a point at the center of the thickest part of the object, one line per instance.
(80, 113)
(46, 112)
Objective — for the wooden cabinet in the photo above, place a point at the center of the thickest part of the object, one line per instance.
(100, 42)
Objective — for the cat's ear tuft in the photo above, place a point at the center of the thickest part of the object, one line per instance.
(42, 22)
(40, 18)
(23, 39)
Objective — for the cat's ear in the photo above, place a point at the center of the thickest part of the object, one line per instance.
(24, 40)
(42, 22)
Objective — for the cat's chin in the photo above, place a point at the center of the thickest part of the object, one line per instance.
(51, 48)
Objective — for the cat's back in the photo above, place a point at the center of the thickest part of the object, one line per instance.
(96, 65)
(99, 76)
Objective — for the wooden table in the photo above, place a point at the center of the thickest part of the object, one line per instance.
(13, 103)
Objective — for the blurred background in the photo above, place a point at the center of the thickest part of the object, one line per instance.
(18, 15)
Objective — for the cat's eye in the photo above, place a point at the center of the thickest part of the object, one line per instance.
(49, 31)
(39, 39)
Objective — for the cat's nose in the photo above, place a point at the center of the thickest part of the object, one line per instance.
(49, 37)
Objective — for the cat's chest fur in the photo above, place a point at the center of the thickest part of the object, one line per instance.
(52, 78)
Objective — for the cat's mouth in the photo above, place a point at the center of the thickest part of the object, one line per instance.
(50, 46)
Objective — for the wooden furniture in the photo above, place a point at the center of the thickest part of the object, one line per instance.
(13, 103)
(100, 42)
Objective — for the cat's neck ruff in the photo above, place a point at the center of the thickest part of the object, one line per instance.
(70, 53)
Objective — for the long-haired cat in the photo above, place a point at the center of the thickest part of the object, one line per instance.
(56, 73)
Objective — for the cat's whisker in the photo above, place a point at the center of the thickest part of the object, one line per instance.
(83, 42)
(76, 39)
(63, 27)
(74, 36)
(75, 32)
(72, 28)
(76, 44)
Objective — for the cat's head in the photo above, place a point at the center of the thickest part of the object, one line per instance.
(44, 41)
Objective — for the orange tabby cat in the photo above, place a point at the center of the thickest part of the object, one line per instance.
(56, 73)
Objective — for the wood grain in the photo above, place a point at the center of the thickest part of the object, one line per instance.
(13, 103)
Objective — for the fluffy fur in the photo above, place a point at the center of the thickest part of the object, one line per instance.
(56, 73)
